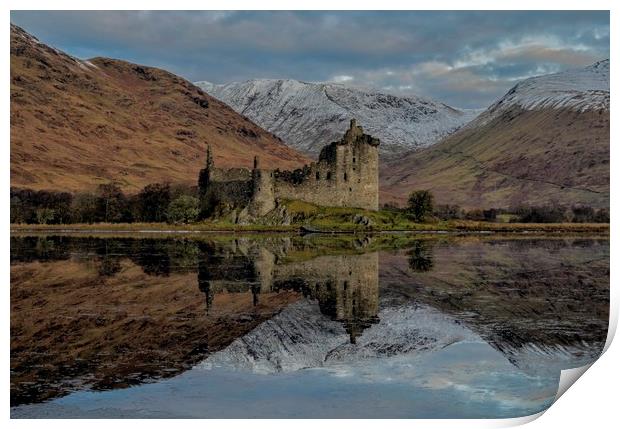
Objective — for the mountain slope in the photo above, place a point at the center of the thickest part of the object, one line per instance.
(301, 337)
(76, 124)
(309, 115)
(545, 142)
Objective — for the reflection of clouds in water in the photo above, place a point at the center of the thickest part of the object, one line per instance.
(499, 387)
(415, 347)
(467, 379)
(470, 369)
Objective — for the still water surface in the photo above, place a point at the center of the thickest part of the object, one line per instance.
(288, 326)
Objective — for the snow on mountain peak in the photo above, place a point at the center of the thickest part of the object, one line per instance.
(581, 89)
(206, 86)
(308, 115)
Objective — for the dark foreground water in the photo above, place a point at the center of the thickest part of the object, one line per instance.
(279, 326)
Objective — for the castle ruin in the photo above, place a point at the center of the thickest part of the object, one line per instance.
(345, 287)
(346, 175)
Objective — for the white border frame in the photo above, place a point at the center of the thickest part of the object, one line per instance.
(591, 402)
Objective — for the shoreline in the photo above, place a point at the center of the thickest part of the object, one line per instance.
(449, 227)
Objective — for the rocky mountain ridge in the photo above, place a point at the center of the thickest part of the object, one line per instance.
(309, 115)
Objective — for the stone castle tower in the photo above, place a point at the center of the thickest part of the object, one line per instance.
(346, 175)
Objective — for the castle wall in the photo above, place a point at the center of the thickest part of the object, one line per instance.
(230, 186)
(346, 176)
(234, 193)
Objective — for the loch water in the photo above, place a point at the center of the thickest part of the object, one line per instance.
(288, 326)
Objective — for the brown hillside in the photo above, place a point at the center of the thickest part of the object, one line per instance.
(534, 157)
(76, 124)
(83, 321)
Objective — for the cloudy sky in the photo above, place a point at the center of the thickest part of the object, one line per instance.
(466, 59)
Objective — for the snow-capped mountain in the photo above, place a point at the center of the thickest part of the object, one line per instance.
(309, 115)
(580, 89)
(546, 139)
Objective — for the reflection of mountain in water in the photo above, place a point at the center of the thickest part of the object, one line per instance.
(541, 304)
(113, 312)
(300, 336)
(346, 287)
(281, 304)
(544, 304)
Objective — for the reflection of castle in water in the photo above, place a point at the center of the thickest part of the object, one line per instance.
(346, 287)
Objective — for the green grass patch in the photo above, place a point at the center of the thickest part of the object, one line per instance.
(353, 219)
(328, 219)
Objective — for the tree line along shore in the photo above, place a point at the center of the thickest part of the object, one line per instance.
(164, 206)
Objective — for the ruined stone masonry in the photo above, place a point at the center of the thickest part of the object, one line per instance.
(346, 287)
(346, 175)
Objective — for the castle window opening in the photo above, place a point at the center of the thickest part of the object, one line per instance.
(318, 176)
(329, 175)
(345, 176)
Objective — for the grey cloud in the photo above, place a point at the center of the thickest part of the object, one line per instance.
(461, 58)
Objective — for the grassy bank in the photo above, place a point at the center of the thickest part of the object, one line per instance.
(291, 216)
(351, 219)
(445, 226)
(156, 227)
